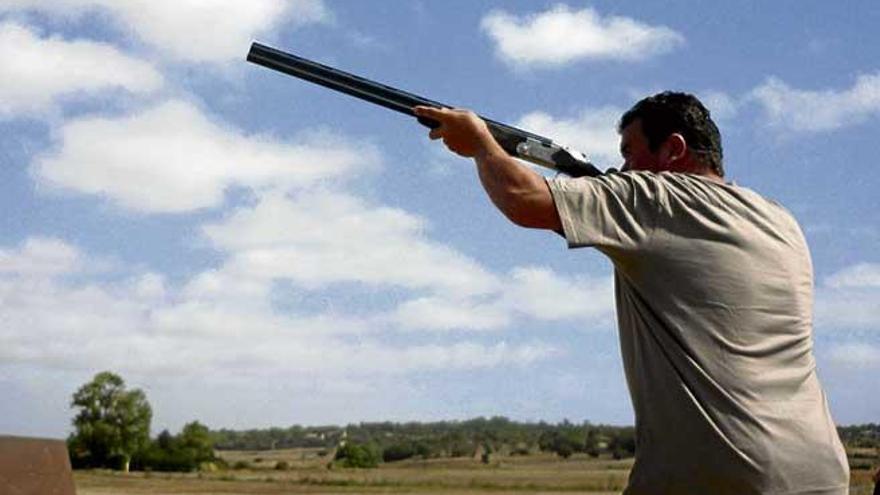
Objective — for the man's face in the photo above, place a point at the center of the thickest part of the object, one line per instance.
(635, 151)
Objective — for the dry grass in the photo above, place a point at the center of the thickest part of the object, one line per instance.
(308, 473)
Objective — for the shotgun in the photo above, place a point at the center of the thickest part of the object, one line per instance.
(517, 142)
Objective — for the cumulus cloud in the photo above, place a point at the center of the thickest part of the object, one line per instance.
(858, 275)
(437, 313)
(797, 110)
(140, 324)
(856, 355)
(543, 294)
(38, 70)
(173, 158)
(592, 132)
(190, 30)
(721, 105)
(533, 292)
(850, 299)
(561, 35)
(847, 310)
(321, 237)
(39, 257)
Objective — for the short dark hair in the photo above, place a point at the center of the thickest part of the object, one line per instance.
(671, 112)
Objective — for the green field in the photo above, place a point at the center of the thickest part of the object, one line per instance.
(308, 473)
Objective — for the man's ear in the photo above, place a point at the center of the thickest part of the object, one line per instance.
(673, 149)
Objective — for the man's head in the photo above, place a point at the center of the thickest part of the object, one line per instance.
(670, 131)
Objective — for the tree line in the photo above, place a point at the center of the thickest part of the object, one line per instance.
(861, 436)
(112, 430)
(474, 437)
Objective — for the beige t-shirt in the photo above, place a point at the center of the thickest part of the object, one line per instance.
(714, 291)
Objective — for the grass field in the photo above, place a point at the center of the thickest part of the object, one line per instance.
(308, 473)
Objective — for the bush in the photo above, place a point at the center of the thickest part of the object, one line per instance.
(282, 466)
(157, 459)
(241, 465)
(623, 444)
(423, 450)
(520, 449)
(564, 444)
(355, 455)
(189, 451)
(398, 452)
(461, 449)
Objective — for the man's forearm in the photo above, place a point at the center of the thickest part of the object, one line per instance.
(519, 192)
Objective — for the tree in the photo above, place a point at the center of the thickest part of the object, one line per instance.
(196, 440)
(398, 451)
(564, 441)
(184, 452)
(111, 425)
(355, 455)
(591, 444)
(623, 444)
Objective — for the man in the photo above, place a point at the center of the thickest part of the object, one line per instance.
(714, 298)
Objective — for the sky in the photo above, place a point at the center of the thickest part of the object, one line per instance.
(251, 250)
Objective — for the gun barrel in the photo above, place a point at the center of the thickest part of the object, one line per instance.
(517, 142)
(359, 87)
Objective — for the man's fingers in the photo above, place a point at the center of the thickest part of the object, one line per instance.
(429, 112)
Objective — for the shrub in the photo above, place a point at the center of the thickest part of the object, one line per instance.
(398, 452)
(355, 455)
(520, 451)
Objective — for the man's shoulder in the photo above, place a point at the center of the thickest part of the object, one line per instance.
(703, 185)
(728, 202)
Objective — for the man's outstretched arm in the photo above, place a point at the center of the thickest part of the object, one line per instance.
(518, 191)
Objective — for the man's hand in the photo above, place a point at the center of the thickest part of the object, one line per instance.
(462, 131)
(518, 191)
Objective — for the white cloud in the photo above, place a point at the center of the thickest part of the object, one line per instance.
(542, 294)
(316, 238)
(561, 35)
(191, 30)
(721, 105)
(856, 355)
(442, 313)
(847, 310)
(798, 110)
(850, 299)
(859, 275)
(322, 237)
(141, 325)
(532, 292)
(36, 70)
(593, 132)
(173, 158)
(39, 257)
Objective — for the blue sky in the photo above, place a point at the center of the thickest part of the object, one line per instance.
(252, 250)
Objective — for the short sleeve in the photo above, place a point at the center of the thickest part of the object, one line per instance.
(613, 212)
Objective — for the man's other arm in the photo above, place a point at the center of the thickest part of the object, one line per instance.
(521, 194)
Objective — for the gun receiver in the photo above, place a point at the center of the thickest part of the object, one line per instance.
(517, 142)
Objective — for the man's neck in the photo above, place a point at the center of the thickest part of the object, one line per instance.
(697, 168)
(711, 175)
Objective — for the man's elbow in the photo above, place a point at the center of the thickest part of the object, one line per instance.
(533, 214)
